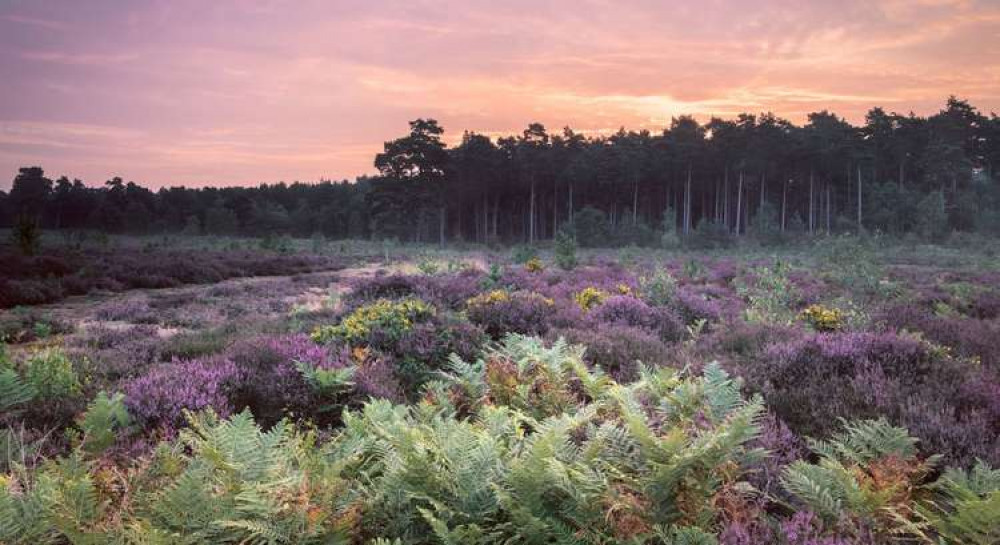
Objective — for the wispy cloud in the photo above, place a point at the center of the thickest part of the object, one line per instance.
(92, 59)
(238, 92)
(33, 21)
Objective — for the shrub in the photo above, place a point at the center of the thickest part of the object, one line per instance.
(589, 298)
(26, 234)
(499, 312)
(769, 294)
(523, 445)
(658, 288)
(969, 337)
(625, 310)
(709, 235)
(590, 227)
(668, 225)
(822, 318)
(127, 310)
(160, 397)
(534, 265)
(385, 319)
(694, 304)
(813, 380)
(523, 253)
(617, 349)
(852, 262)
(931, 217)
(271, 384)
(565, 250)
(51, 374)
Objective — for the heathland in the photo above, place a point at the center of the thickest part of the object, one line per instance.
(196, 389)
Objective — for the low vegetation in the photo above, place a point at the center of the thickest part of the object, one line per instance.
(659, 399)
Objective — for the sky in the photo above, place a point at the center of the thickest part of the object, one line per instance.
(241, 92)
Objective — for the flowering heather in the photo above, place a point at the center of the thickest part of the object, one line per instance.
(805, 528)
(500, 312)
(783, 447)
(617, 349)
(133, 310)
(706, 303)
(117, 352)
(626, 310)
(160, 397)
(375, 378)
(812, 381)
(970, 337)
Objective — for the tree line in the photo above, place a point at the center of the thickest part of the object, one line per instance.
(755, 174)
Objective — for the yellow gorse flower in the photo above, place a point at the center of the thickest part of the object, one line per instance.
(589, 297)
(500, 296)
(822, 318)
(395, 317)
(534, 265)
(488, 298)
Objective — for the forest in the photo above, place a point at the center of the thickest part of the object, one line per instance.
(758, 175)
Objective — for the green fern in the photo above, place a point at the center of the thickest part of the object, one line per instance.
(866, 472)
(13, 390)
(967, 506)
(104, 416)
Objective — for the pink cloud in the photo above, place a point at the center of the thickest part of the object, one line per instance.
(182, 91)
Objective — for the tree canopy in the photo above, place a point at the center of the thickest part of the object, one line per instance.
(732, 174)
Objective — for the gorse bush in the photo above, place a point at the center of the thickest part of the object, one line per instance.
(589, 297)
(384, 318)
(534, 265)
(822, 318)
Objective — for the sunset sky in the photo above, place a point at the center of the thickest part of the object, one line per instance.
(198, 92)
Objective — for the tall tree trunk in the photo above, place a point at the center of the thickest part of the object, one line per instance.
(569, 213)
(486, 218)
(555, 207)
(635, 202)
(716, 212)
(784, 203)
(859, 197)
(763, 188)
(725, 204)
(496, 215)
(687, 202)
(739, 202)
(811, 202)
(441, 225)
(531, 213)
(828, 208)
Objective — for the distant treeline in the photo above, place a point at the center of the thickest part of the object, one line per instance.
(756, 174)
